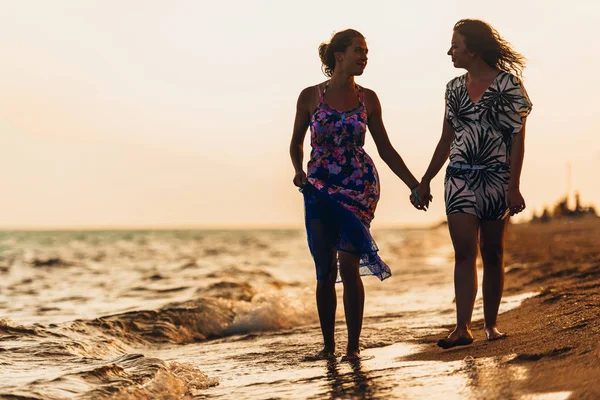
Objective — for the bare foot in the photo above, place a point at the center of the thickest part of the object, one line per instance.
(327, 352)
(494, 334)
(459, 337)
(351, 355)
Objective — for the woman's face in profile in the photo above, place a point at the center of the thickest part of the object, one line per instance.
(458, 51)
(354, 60)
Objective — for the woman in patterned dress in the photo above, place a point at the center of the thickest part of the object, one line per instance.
(483, 135)
(341, 186)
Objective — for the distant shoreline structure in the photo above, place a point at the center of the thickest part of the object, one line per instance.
(561, 211)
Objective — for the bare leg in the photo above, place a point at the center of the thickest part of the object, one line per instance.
(492, 253)
(354, 301)
(324, 249)
(463, 231)
(326, 305)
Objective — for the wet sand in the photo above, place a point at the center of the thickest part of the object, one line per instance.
(554, 334)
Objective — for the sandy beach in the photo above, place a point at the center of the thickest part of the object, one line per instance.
(556, 333)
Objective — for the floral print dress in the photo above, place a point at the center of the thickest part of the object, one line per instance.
(343, 189)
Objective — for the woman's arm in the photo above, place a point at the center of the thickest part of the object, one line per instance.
(387, 152)
(297, 143)
(440, 155)
(516, 203)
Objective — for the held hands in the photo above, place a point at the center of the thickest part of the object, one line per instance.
(421, 196)
(516, 203)
(300, 179)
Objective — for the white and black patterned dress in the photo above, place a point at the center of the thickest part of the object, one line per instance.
(477, 176)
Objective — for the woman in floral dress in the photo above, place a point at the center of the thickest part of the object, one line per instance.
(484, 136)
(341, 186)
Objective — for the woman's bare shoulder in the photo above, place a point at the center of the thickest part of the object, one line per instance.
(371, 99)
(309, 93)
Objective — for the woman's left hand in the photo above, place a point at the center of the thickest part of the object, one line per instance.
(516, 202)
(421, 196)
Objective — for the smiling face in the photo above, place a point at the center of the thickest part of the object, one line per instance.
(353, 60)
(462, 57)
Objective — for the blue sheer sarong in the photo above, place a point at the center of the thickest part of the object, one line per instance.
(331, 226)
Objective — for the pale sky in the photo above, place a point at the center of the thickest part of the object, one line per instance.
(179, 113)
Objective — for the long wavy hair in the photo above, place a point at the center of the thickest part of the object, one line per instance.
(338, 42)
(483, 39)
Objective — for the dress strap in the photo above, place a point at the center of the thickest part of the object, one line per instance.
(322, 95)
(361, 98)
(361, 95)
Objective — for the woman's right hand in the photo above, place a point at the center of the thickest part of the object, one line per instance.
(300, 179)
(424, 195)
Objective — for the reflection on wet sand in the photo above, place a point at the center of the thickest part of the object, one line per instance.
(357, 383)
(491, 378)
(383, 373)
(495, 378)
